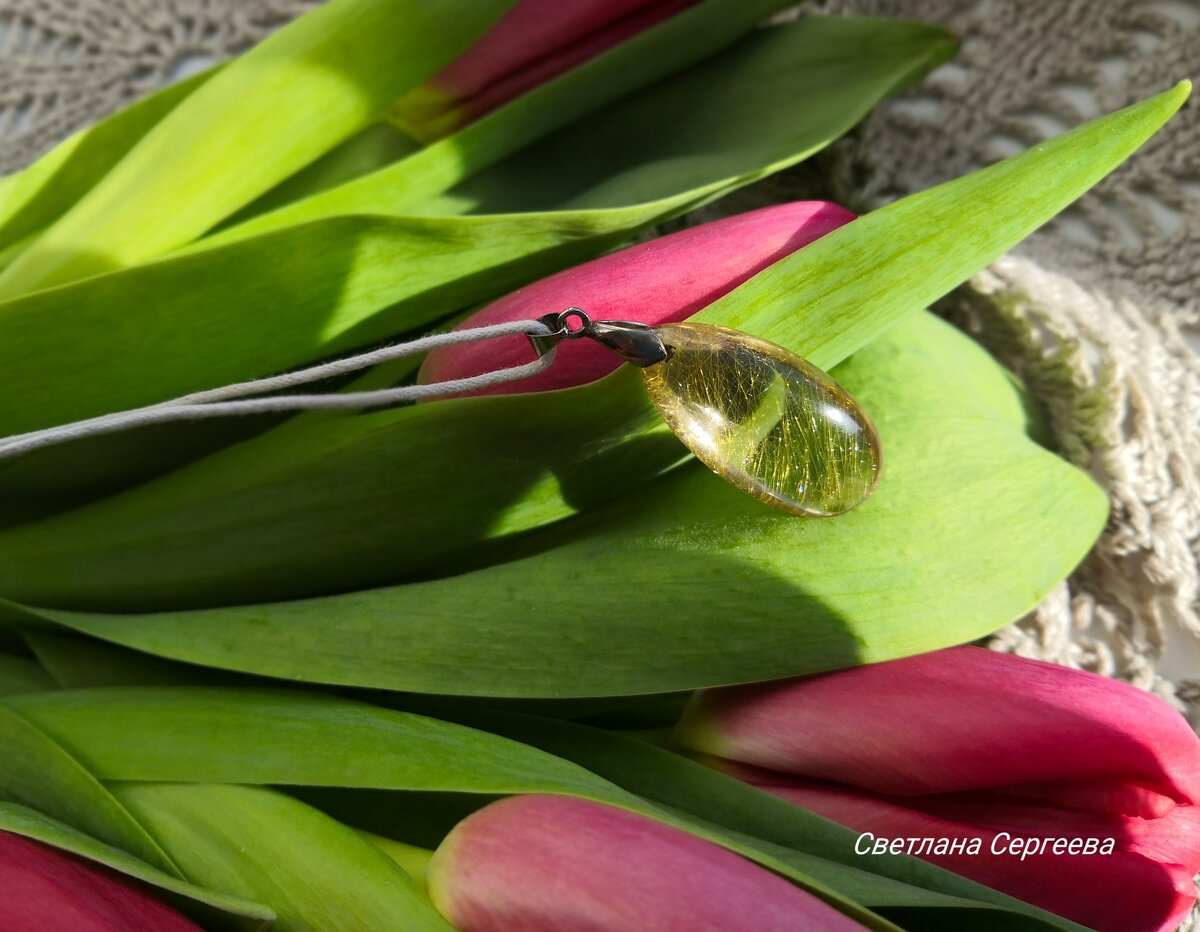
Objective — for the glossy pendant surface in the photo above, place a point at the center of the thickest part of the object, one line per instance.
(765, 419)
(761, 417)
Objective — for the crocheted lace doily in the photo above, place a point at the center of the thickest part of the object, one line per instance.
(1095, 311)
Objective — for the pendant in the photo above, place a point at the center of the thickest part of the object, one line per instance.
(756, 414)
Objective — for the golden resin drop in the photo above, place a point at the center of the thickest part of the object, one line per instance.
(765, 419)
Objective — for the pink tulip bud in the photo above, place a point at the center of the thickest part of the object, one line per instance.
(43, 889)
(567, 865)
(971, 743)
(532, 43)
(663, 280)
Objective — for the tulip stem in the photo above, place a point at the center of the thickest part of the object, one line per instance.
(413, 860)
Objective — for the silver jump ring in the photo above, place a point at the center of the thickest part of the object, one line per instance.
(585, 324)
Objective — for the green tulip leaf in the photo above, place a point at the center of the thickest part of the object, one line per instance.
(67, 661)
(30, 200)
(400, 186)
(287, 739)
(163, 734)
(216, 910)
(688, 582)
(365, 152)
(255, 843)
(848, 64)
(22, 675)
(399, 494)
(260, 305)
(261, 118)
(39, 773)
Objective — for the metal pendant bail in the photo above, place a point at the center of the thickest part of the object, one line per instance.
(638, 344)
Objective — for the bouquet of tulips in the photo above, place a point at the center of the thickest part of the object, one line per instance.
(513, 660)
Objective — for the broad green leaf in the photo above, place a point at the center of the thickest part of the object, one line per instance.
(252, 842)
(32, 199)
(920, 247)
(292, 738)
(170, 327)
(847, 63)
(70, 662)
(22, 675)
(51, 481)
(398, 494)
(216, 910)
(394, 182)
(270, 302)
(736, 591)
(295, 739)
(9, 253)
(285, 738)
(365, 152)
(619, 137)
(37, 772)
(258, 120)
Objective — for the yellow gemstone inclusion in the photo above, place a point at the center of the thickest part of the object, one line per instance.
(765, 419)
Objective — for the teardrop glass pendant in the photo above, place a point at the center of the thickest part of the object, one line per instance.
(765, 419)
(758, 415)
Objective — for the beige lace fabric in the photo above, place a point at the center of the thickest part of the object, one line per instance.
(1096, 311)
(66, 63)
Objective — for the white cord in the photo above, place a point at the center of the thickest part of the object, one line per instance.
(219, 402)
